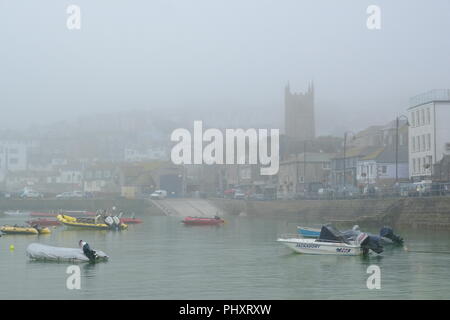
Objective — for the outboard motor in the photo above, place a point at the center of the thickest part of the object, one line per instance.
(387, 232)
(116, 222)
(109, 221)
(369, 242)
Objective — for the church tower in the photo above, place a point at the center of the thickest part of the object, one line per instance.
(299, 122)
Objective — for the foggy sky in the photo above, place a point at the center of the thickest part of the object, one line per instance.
(220, 56)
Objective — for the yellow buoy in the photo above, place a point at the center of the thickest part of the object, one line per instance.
(11, 247)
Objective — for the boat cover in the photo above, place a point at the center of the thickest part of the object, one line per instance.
(330, 233)
(44, 252)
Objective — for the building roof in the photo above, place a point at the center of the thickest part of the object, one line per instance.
(356, 152)
(387, 154)
(310, 157)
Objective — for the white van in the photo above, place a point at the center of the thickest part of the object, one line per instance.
(158, 195)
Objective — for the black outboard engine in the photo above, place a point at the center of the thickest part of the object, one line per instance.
(369, 242)
(373, 243)
(387, 232)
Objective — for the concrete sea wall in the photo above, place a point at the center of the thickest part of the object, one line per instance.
(427, 212)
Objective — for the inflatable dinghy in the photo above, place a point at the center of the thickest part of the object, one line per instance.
(37, 251)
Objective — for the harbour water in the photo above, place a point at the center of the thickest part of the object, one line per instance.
(163, 259)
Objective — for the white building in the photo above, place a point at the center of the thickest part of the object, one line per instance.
(13, 157)
(383, 166)
(429, 132)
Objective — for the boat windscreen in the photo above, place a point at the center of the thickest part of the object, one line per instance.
(330, 233)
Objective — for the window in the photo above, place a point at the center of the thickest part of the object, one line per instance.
(447, 147)
(419, 168)
(413, 143)
(423, 143)
(418, 143)
(418, 118)
(428, 116)
(429, 141)
(413, 119)
(13, 160)
(423, 116)
(414, 166)
(13, 151)
(384, 169)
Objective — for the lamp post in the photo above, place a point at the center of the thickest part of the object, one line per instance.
(345, 146)
(396, 143)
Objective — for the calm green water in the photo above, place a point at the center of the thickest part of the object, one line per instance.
(163, 259)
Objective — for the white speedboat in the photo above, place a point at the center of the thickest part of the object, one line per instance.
(315, 246)
(331, 241)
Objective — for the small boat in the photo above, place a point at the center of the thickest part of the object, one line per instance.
(37, 251)
(71, 213)
(16, 213)
(43, 214)
(332, 242)
(130, 220)
(24, 230)
(203, 221)
(89, 223)
(308, 232)
(386, 235)
(44, 222)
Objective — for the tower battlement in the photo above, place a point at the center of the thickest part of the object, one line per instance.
(299, 117)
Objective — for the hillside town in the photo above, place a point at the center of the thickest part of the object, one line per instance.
(128, 155)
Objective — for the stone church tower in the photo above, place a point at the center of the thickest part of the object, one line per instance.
(299, 122)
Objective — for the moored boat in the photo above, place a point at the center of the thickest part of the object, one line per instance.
(70, 213)
(91, 223)
(386, 235)
(203, 221)
(37, 251)
(24, 230)
(332, 242)
(16, 213)
(44, 222)
(130, 220)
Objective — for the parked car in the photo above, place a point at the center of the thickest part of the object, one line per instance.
(31, 194)
(5, 195)
(229, 193)
(159, 195)
(408, 190)
(70, 195)
(257, 196)
(239, 195)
